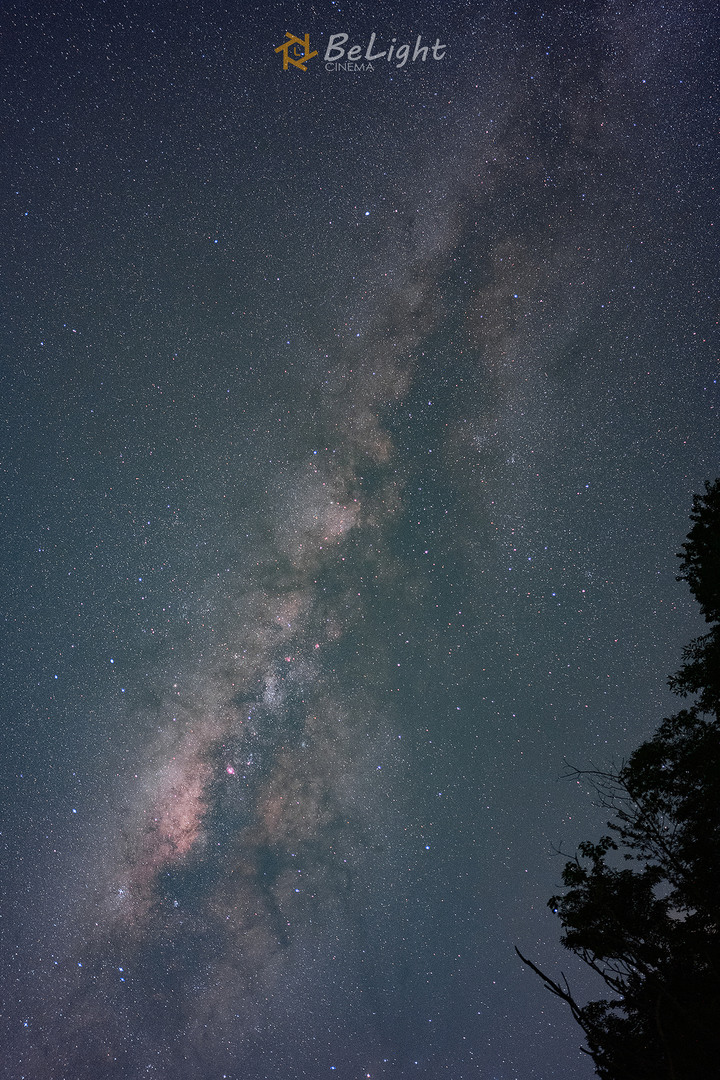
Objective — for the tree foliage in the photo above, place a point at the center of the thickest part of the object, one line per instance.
(642, 906)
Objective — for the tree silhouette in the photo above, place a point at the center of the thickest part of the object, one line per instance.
(642, 906)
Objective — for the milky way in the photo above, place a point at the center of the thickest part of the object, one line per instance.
(271, 784)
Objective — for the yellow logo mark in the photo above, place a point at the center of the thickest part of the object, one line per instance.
(298, 58)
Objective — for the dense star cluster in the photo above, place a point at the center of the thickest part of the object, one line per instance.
(353, 417)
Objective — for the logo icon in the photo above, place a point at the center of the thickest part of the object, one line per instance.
(299, 58)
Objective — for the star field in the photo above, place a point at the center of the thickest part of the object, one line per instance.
(352, 423)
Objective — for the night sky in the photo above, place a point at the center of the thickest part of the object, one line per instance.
(351, 425)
